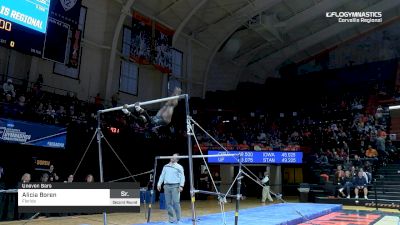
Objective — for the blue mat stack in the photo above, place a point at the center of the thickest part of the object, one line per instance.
(285, 213)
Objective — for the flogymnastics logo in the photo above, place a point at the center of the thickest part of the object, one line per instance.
(356, 17)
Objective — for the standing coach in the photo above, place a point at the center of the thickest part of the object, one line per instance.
(173, 178)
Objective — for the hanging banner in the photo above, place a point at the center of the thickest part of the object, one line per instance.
(75, 49)
(141, 39)
(163, 43)
(66, 11)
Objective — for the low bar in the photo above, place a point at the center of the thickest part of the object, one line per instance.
(143, 103)
(214, 193)
(195, 156)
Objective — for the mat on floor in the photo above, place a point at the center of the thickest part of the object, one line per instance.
(285, 213)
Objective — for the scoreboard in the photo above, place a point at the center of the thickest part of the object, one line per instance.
(23, 25)
(14, 36)
(32, 14)
(32, 27)
(253, 157)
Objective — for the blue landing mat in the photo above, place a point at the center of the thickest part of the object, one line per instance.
(284, 214)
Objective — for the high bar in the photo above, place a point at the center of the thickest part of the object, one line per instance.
(144, 103)
(195, 156)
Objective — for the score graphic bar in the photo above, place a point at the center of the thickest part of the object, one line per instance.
(78, 197)
(255, 157)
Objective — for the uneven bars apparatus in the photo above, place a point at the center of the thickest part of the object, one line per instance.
(189, 140)
(193, 191)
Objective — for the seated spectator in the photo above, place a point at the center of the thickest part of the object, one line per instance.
(367, 175)
(52, 173)
(357, 161)
(339, 173)
(20, 107)
(346, 184)
(244, 146)
(70, 179)
(8, 108)
(323, 160)
(257, 147)
(44, 178)
(89, 178)
(391, 149)
(115, 99)
(353, 172)
(8, 88)
(231, 141)
(324, 176)
(2, 184)
(371, 152)
(360, 183)
(26, 178)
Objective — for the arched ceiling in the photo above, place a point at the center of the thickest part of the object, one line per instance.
(247, 40)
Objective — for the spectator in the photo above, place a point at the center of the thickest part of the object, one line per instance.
(346, 183)
(70, 179)
(323, 160)
(244, 146)
(353, 172)
(52, 173)
(26, 178)
(39, 81)
(217, 180)
(115, 99)
(357, 161)
(8, 88)
(44, 178)
(2, 184)
(371, 152)
(367, 175)
(380, 146)
(338, 174)
(266, 188)
(360, 183)
(20, 107)
(98, 101)
(89, 178)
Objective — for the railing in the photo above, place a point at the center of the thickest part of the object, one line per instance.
(54, 90)
(18, 83)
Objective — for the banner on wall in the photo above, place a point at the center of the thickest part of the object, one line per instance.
(141, 45)
(75, 49)
(28, 133)
(162, 43)
(67, 11)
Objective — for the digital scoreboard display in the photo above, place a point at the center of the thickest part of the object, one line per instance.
(78, 197)
(32, 14)
(23, 25)
(38, 27)
(253, 157)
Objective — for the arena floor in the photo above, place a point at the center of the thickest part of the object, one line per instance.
(363, 215)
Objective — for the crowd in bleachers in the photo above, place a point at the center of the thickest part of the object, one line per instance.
(334, 132)
(34, 104)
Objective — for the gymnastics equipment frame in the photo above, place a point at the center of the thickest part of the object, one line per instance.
(193, 191)
(100, 136)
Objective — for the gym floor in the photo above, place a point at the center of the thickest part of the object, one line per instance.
(356, 215)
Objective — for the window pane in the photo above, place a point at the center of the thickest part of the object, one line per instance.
(176, 63)
(128, 77)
